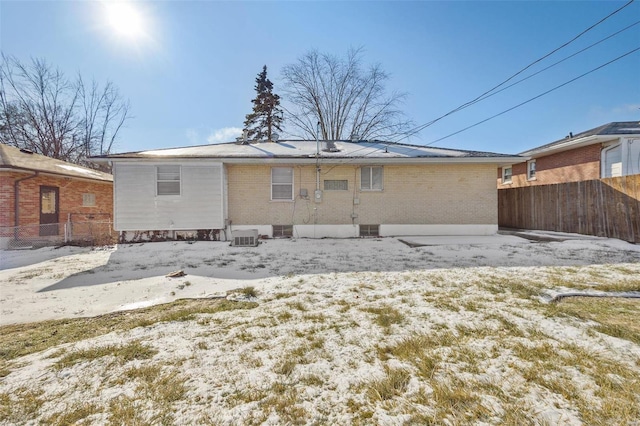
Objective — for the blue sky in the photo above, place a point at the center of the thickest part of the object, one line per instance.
(191, 74)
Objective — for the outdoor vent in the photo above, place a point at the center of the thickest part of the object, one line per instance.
(330, 146)
(245, 238)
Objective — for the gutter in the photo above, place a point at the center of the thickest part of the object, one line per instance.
(45, 172)
(16, 201)
(571, 144)
(326, 160)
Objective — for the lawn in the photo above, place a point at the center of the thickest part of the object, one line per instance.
(467, 342)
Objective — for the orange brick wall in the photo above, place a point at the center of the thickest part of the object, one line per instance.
(70, 193)
(569, 166)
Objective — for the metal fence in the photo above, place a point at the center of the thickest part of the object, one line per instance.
(74, 232)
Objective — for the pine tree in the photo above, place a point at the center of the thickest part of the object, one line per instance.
(266, 114)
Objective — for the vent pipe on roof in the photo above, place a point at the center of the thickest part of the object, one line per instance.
(355, 137)
(245, 136)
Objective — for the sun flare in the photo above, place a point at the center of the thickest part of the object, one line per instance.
(125, 19)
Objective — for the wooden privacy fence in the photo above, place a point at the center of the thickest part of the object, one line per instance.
(603, 207)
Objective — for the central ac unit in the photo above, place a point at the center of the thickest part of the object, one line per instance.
(245, 238)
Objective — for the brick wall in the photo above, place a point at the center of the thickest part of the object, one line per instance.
(70, 193)
(568, 166)
(412, 194)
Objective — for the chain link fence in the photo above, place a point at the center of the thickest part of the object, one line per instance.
(95, 231)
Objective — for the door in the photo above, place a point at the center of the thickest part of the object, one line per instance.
(49, 210)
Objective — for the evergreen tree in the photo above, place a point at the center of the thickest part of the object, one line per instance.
(266, 114)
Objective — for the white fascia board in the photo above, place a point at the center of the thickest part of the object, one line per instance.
(326, 160)
(573, 144)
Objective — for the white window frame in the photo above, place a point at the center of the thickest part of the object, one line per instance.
(159, 180)
(529, 175)
(282, 184)
(603, 162)
(370, 172)
(504, 179)
(88, 199)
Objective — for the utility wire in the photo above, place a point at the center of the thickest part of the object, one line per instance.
(465, 105)
(535, 97)
(555, 63)
(385, 146)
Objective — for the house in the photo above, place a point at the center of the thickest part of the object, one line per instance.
(588, 183)
(610, 150)
(39, 195)
(306, 189)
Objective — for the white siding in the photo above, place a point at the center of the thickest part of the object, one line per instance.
(138, 208)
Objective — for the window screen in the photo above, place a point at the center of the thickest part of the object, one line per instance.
(282, 183)
(168, 180)
(371, 178)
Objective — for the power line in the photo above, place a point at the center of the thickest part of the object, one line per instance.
(465, 105)
(555, 63)
(535, 97)
(384, 147)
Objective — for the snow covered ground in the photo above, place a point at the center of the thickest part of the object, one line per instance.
(368, 331)
(67, 282)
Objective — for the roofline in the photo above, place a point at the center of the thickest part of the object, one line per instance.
(575, 143)
(323, 160)
(43, 172)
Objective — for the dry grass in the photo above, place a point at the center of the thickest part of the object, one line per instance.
(23, 339)
(445, 356)
(616, 317)
(128, 352)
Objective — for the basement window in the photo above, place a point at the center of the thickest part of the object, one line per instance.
(282, 231)
(168, 180)
(369, 230)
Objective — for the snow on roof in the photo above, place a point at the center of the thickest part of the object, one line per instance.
(80, 170)
(17, 159)
(308, 149)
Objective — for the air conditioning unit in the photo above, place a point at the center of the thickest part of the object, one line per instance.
(245, 238)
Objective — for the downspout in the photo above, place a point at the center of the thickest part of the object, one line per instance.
(16, 200)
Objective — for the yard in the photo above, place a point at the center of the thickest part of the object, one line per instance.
(363, 331)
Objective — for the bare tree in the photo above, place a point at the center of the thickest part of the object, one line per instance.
(102, 115)
(341, 98)
(41, 110)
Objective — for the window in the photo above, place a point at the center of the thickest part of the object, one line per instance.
(168, 180)
(282, 231)
(506, 174)
(336, 185)
(531, 169)
(282, 183)
(88, 200)
(612, 161)
(369, 230)
(371, 178)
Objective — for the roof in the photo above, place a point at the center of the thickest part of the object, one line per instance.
(19, 159)
(330, 151)
(617, 128)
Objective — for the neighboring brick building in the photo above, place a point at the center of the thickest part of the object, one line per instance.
(49, 193)
(306, 189)
(607, 151)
